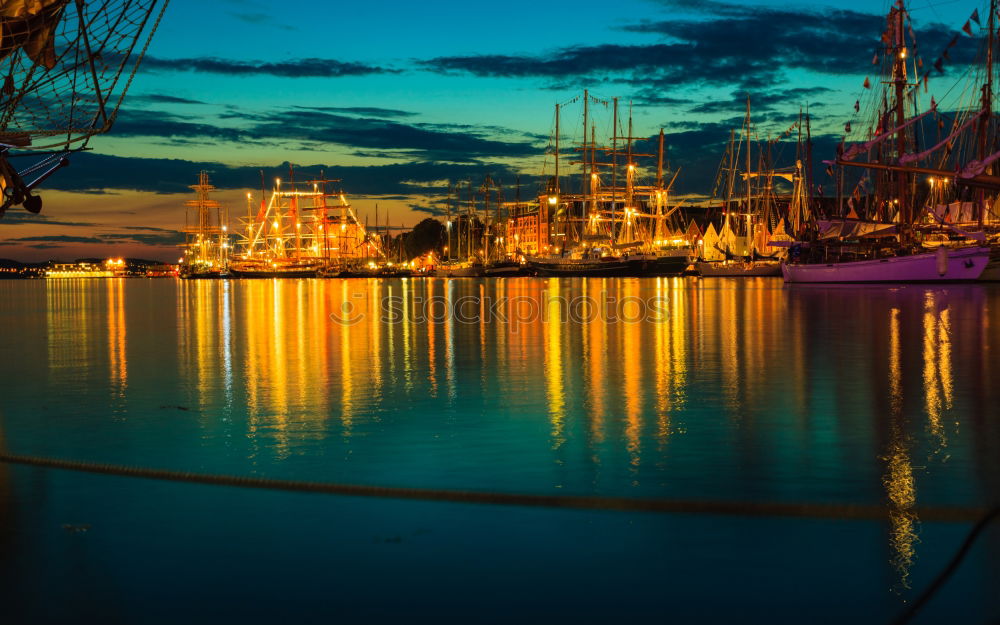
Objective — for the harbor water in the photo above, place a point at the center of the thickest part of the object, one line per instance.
(732, 390)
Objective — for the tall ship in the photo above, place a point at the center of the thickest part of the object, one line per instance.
(303, 230)
(751, 219)
(614, 224)
(916, 189)
(467, 235)
(206, 246)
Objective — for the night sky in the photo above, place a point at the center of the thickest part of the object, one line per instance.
(396, 100)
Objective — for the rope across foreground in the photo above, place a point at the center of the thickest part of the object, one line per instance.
(635, 504)
(981, 517)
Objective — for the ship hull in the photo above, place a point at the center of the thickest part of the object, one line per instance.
(738, 270)
(581, 268)
(501, 270)
(275, 271)
(395, 273)
(949, 265)
(349, 273)
(273, 274)
(992, 271)
(659, 265)
(203, 275)
(467, 271)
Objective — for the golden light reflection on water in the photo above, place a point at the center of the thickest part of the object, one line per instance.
(554, 365)
(634, 383)
(595, 355)
(449, 337)
(671, 354)
(117, 358)
(898, 480)
(938, 383)
(707, 402)
(68, 311)
(727, 358)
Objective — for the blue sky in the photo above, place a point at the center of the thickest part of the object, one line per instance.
(396, 99)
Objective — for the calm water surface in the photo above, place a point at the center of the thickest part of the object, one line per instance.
(724, 390)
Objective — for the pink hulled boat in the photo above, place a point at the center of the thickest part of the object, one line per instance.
(942, 265)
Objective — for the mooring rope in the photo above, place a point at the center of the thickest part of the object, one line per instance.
(949, 570)
(583, 502)
(981, 516)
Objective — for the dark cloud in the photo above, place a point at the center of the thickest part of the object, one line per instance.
(159, 98)
(753, 47)
(434, 211)
(655, 97)
(148, 123)
(394, 139)
(299, 68)
(761, 100)
(159, 175)
(433, 141)
(16, 215)
(260, 19)
(165, 237)
(59, 238)
(369, 111)
(148, 228)
(170, 238)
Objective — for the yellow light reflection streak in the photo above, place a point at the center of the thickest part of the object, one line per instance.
(554, 365)
(632, 369)
(449, 338)
(346, 374)
(595, 351)
(898, 481)
(938, 381)
(116, 336)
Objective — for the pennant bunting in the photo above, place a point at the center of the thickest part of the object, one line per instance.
(975, 17)
(967, 29)
(868, 84)
(847, 127)
(857, 106)
(937, 66)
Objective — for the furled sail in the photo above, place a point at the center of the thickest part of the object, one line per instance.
(906, 159)
(30, 25)
(859, 148)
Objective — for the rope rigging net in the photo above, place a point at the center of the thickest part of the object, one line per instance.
(65, 66)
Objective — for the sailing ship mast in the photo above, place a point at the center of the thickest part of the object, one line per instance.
(206, 239)
(586, 182)
(614, 171)
(747, 137)
(984, 120)
(660, 199)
